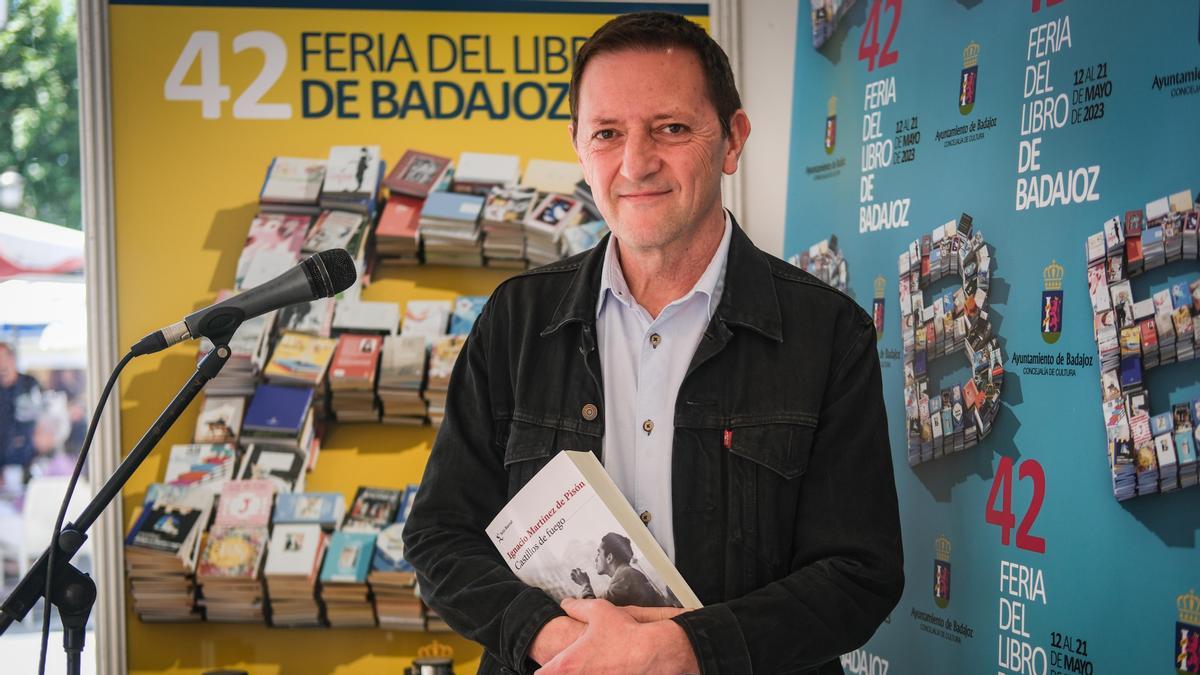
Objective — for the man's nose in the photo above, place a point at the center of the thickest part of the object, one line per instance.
(641, 158)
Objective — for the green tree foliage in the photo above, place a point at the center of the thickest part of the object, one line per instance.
(39, 107)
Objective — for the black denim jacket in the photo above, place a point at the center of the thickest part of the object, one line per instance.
(785, 514)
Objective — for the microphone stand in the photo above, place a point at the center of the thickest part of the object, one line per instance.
(72, 591)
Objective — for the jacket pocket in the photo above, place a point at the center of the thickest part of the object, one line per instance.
(528, 448)
(765, 466)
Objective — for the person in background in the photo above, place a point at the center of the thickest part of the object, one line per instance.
(50, 434)
(20, 403)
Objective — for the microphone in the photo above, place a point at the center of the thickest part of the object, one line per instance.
(320, 276)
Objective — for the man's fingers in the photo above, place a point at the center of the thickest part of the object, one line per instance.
(649, 614)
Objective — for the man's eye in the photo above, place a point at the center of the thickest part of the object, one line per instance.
(605, 135)
(675, 128)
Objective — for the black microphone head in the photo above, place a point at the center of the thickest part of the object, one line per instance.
(330, 272)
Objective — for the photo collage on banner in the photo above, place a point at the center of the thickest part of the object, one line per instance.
(1062, 132)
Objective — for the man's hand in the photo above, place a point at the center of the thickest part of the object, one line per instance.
(580, 577)
(650, 614)
(555, 636)
(614, 642)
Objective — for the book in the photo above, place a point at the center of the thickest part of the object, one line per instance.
(349, 557)
(220, 420)
(311, 318)
(361, 316)
(272, 247)
(571, 533)
(550, 176)
(300, 359)
(372, 509)
(281, 465)
(295, 551)
(292, 181)
(478, 172)
(325, 509)
(245, 503)
(277, 412)
(416, 174)
(427, 318)
(333, 229)
(466, 310)
(203, 465)
(352, 172)
(397, 235)
(233, 552)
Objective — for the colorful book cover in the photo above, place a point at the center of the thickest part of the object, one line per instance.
(349, 557)
(333, 229)
(272, 247)
(293, 180)
(352, 170)
(319, 508)
(245, 503)
(301, 358)
(356, 357)
(400, 218)
(466, 309)
(372, 509)
(452, 206)
(220, 419)
(416, 174)
(233, 553)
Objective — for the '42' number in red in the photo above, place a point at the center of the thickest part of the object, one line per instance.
(1003, 517)
(868, 45)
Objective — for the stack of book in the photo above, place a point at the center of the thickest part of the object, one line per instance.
(466, 310)
(298, 544)
(503, 219)
(1162, 428)
(401, 377)
(1187, 442)
(449, 229)
(161, 551)
(579, 238)
(292, 184)
(397, 237)
(478, 172)
(352, 378)
(545, 224)
(286, 467)
(293, 564)
(344, 590)
(203, 466)
(228, 572)
(442, 356)
(310, 318)
(392, 579)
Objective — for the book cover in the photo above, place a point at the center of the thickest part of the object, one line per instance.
(372, 509)
(551, 176)
(312, 318)
(245, 503)
(351, 171)
(293, 180)
(220, 419)
(417, 173)
(480, 168)
(571, 533)
(278, 409)
(400, 217)
(300, 358)
(167, 527)
(452, 207)
(508, 204)
(233, 553)
(442, 357)
(466, 309)
(349, 557)
(281, 465)
(363, 316)
(554, 213)
(195, 463)
(295, 550)
(356, 357)
(272, 247)
(427, 318)
(325, 509)
(333, 229)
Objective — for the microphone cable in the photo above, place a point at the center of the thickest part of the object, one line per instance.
(62, 511)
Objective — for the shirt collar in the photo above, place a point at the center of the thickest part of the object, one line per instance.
(711, 282)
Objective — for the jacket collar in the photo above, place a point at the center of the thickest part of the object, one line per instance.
(748, 300)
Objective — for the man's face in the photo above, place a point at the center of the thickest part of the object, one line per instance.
(602, 566)
(651, 146)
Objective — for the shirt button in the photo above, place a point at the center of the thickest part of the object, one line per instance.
(645, 516)
(648, 426)
(590, 411)
(655, 340)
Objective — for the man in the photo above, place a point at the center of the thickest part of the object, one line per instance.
(20, 403)
(629, 586)
(734, 399)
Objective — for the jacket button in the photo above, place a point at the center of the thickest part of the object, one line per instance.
(645, 516)
(590, 411)
(655, 340)
(648, 426)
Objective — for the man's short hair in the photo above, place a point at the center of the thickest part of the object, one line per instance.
(8, 347)
(655, 30)
(617, 546)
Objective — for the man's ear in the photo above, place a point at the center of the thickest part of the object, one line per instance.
(739, 131)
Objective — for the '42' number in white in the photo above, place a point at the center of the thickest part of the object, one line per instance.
(204, 46)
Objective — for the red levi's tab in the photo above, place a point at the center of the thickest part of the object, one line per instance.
(728, 439)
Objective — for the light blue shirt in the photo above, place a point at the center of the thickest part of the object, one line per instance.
(644, 361)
